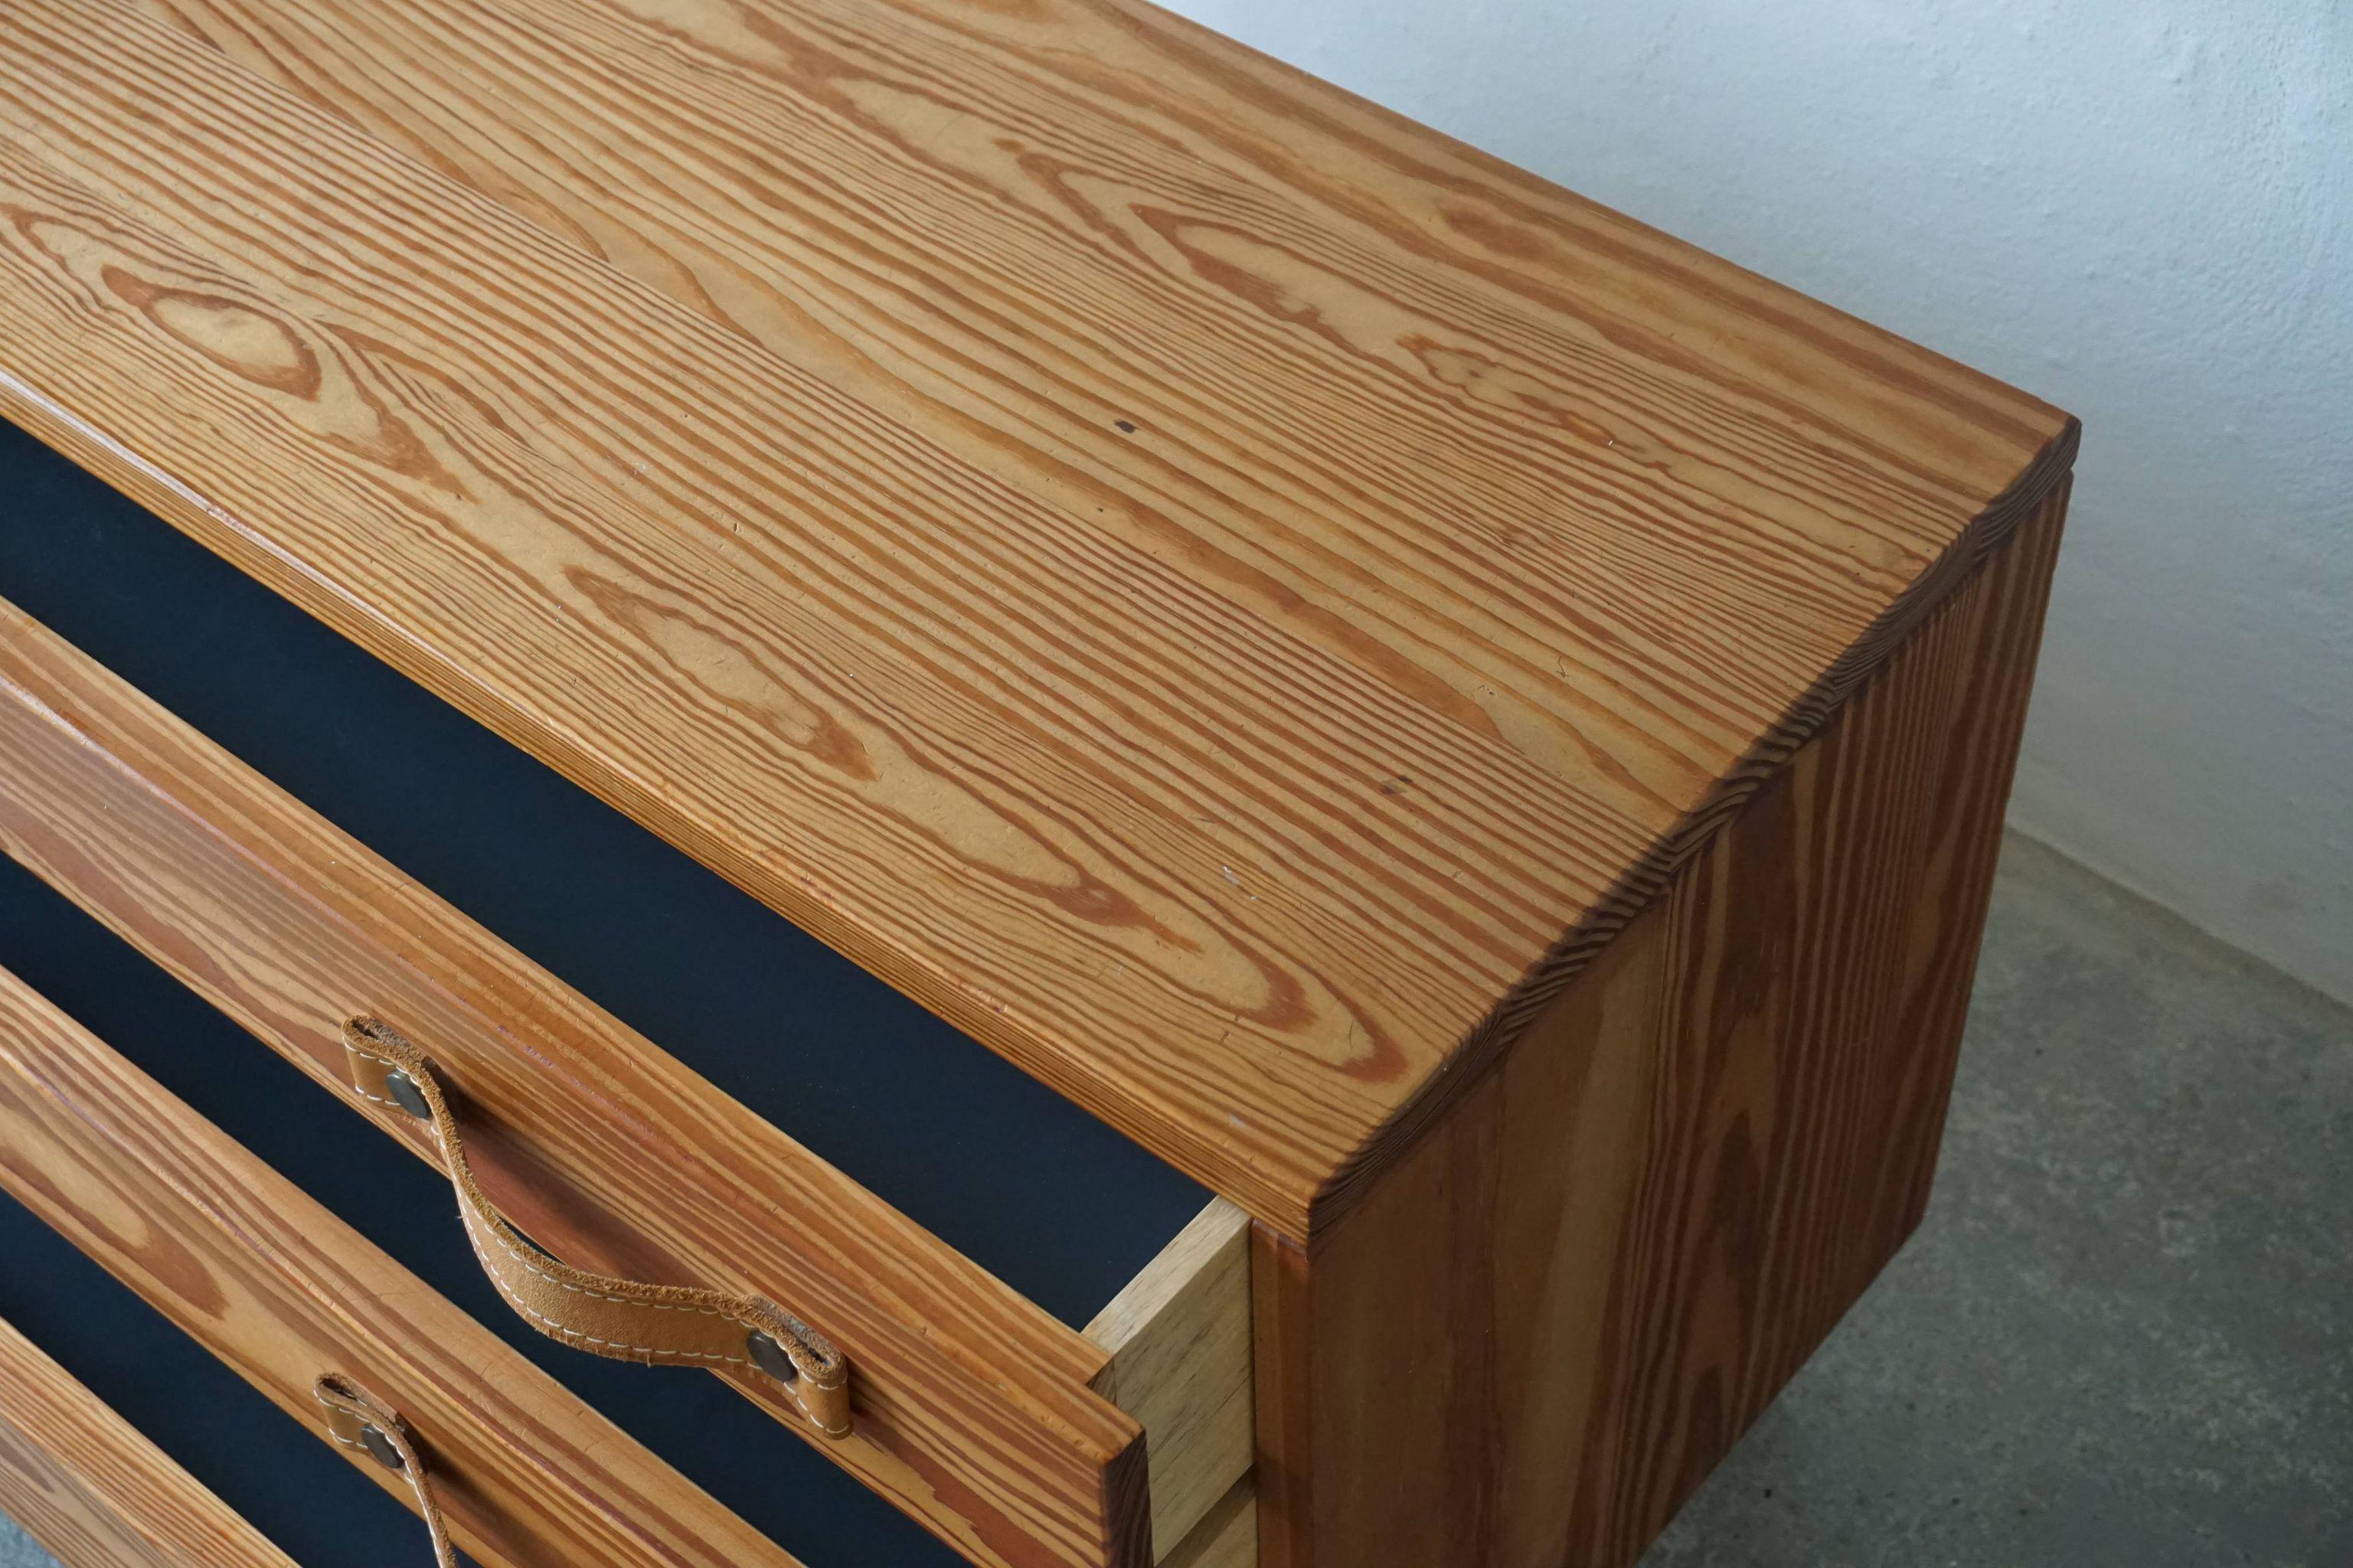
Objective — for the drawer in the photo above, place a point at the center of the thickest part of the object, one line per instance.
(98, 1493)
(1066, 1381)
(287, 1295)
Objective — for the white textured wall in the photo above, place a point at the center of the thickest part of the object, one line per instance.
(2141, 210)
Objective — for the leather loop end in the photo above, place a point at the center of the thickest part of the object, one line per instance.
(815, 1374)
(358, 1420)
(388, 1070)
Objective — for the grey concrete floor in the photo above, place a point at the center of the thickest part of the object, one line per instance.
(2123, 1337)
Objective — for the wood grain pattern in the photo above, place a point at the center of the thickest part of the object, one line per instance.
(92, 1489)
(1560, 1310)
(1226, 1538)
(282, 1291)
(1179, 1339)
(1226, 596)
(972, 1406)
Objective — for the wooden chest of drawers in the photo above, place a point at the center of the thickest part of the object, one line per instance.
(1155, 821)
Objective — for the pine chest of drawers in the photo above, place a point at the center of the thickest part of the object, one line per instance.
(1155, 821)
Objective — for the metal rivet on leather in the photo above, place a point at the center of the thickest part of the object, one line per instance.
(410, 1097)
(380, 1448)
(770, 1357)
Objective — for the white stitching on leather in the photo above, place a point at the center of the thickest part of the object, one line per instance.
(516, 1253)
(523, 1261)
(475, 1230)
(517, 1303)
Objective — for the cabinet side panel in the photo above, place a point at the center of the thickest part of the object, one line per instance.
(1556, 1314)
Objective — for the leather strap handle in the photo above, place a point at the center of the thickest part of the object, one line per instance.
(655, 1324)
(358, 1419)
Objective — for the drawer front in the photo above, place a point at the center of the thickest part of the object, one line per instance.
(285, 1294)
(93, 1490)
(972, 1409)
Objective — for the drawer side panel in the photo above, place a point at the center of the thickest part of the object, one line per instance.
(1179, 1339)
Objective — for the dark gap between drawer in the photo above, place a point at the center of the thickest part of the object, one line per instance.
(289, 1484)
(1035, 1190)
(717, 1438)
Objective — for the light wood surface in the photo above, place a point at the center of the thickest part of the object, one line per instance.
(1230, 596)
(92, 1489)
(973, 1406)
(1227, 1538)
(282, 1291)
(1560, 1310)
(1178, 1337)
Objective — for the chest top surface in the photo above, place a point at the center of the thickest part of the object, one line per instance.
(1223, 592)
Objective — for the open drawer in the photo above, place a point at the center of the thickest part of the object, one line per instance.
(516, 1470)
(1066, 1381)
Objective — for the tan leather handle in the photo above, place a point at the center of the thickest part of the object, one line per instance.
(358, 1419)
(657, 1324)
